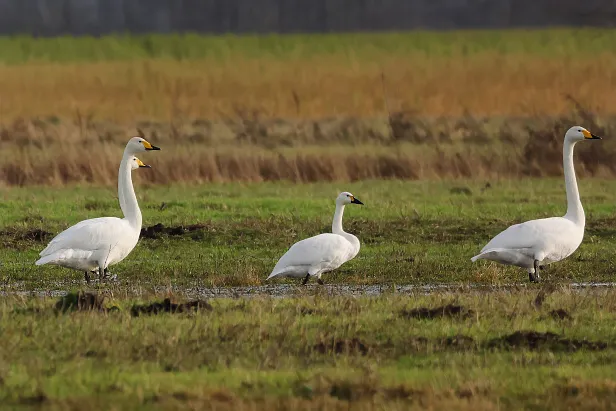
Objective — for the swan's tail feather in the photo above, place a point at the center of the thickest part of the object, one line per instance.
(477, 257)
(45, 260)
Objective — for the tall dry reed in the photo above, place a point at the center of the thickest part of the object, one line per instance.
(401, 146)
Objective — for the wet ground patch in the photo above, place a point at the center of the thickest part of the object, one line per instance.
(166, 306)
(445, 311)
(534, 340)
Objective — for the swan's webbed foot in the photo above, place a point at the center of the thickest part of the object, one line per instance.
(320, 282)
(533, 278)
(305, 280)
(108, 276)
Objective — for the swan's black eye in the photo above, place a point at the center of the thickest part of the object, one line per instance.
(579, 131)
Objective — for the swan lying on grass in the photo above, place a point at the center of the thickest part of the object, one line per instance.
(540, 242)
(321, 253)
(93, 245)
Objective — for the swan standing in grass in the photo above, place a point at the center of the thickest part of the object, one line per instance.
(93, 245)
(539, 242)
(321, 253)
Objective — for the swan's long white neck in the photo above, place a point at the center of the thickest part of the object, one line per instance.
(126, 193)
(575, 212)
(337, 226)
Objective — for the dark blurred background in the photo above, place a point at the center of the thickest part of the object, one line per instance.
(54, 17)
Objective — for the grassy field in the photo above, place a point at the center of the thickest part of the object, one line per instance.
(487, 73)
(441, 135)
(412, 232)
(480, 352)
(509, 345)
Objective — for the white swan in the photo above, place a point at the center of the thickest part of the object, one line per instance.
(321, 253)
(93, 245)
(539, 242)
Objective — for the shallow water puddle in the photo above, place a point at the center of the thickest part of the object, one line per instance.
(292, 290)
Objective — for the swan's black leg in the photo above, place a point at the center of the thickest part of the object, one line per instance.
(534, 277)
(306, 279)
(320, 281)
(86, 276)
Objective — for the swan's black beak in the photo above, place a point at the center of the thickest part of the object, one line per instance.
(152, 148)
(356, 201)
(593, 137)
(145, 166)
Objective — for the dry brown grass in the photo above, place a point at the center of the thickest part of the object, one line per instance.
(402, 146)
(485, 84)
(345, 118)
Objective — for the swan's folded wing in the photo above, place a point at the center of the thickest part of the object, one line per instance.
(524, 235)
(314, 250)
(94, 234)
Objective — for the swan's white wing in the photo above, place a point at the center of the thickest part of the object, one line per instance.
(539, 234)
(530, 234)
(95, 234)
(320, 249)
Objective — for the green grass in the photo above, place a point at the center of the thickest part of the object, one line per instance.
(411, 232)
(280, 353)
(275, 353)
(20, 49)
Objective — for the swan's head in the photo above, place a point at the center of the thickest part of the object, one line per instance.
(135, 163)
(347, 198)
(578, 133)
(139, 145)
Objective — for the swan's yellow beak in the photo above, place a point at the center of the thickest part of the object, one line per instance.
(141, 164)
(149, 146)
(589, 136)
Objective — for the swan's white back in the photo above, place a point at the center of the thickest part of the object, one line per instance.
(322, 253)
(82, 246)
(315, 255)
(547, 240)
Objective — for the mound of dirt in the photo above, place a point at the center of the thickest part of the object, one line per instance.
(449, 311)
(36, 234)
(83, 301)
(560, 314)
(534, 340)
(459, 341)
(168, 307)
(309, 311)
(351, 346)
(157, 230)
